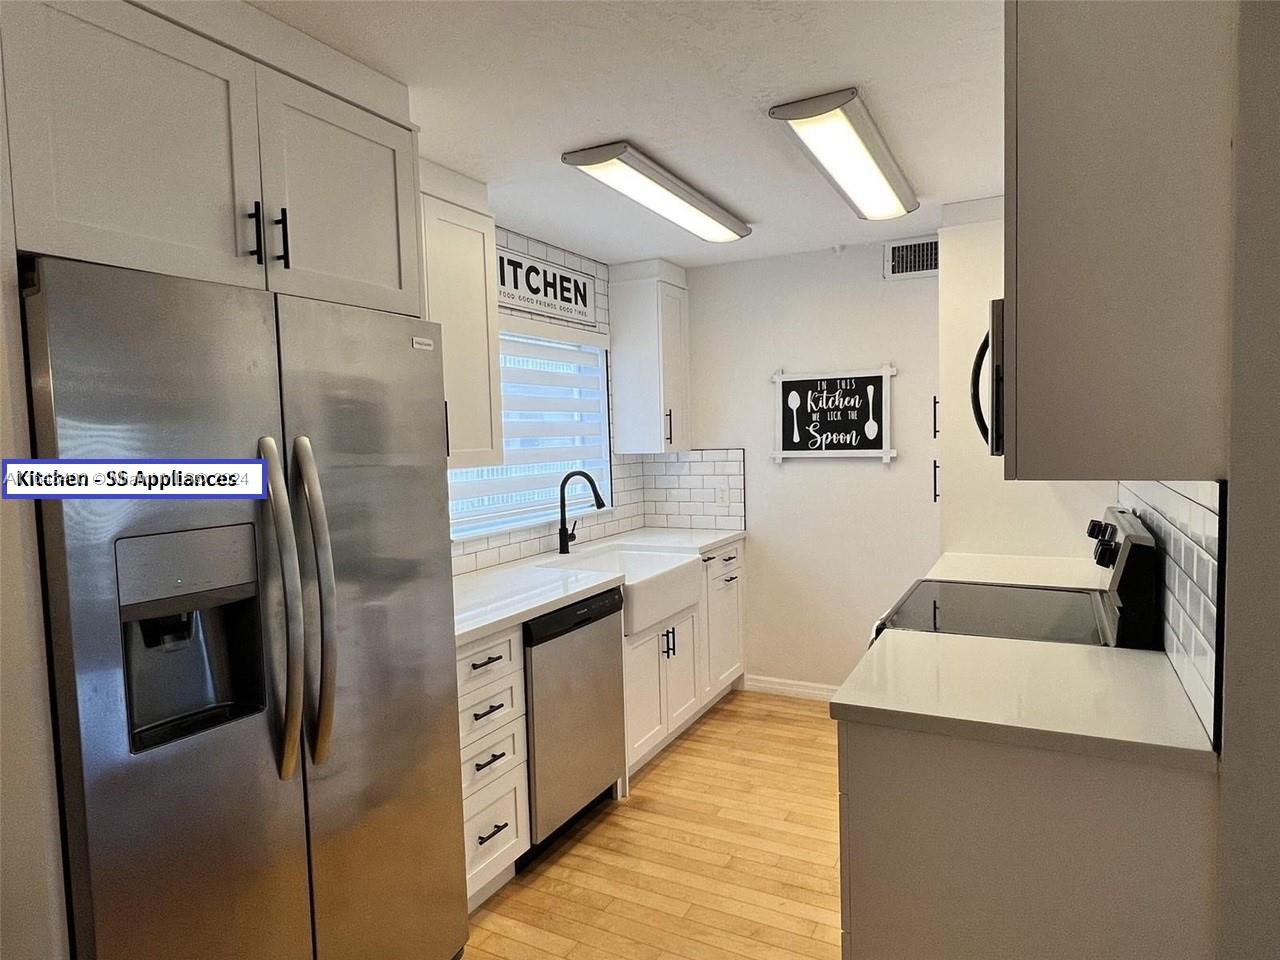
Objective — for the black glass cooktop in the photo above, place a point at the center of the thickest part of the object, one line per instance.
(996, 610)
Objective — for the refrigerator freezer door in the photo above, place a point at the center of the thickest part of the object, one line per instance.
(166, 626)
(385, 804)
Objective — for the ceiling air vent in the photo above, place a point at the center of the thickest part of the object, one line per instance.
(911, 258)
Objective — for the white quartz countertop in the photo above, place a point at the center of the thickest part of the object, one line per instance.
(496, 598)
(1073, 572)
(1123, 704)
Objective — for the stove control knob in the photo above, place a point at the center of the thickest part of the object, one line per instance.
(1095, 529)
(1106, 553)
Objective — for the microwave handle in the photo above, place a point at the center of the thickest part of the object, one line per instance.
(996, 442)
(975, 378)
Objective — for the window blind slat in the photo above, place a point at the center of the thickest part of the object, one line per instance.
(547, 378)
(552, 404)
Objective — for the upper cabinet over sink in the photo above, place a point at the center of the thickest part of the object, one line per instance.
(138, 143)
(1118, 249)
(649, 358)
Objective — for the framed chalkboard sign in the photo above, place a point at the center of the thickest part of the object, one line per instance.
(833, 414)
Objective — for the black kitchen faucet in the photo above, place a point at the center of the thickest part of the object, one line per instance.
(567, 536)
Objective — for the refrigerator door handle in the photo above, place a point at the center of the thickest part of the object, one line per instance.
(327, 582)
(287, 546)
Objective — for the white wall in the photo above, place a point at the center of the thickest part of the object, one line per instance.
(981, 511)
(831, 543)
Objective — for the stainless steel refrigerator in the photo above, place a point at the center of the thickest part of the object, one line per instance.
(255, 700)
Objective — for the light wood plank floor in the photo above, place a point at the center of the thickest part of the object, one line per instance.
(726, 849)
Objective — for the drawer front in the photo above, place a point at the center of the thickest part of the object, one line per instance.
(489, 707)
(489, 658)
(490, 757)
(727, 560)
(496, 826)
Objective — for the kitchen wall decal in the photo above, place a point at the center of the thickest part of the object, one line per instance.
(539, 286)
(833, 414)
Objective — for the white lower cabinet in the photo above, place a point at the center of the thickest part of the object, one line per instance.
(724, 617)
(496, 826)
(489, 707)
(661, 689)
(681, 673)
(493, 755)
(494, 751)
(643, 694)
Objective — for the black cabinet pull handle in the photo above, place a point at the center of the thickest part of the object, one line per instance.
(730, 579)
(484, 663)
(493, 708)
(486, 837)
(975, 381)
(673, 641)
(256, 217)
(728, 559)
(935, 418)
(493, 758)
(284, 237)
(670, 428)
(936, 496)
(707, 559)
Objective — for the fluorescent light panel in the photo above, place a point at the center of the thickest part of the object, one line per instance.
(843, 140)
(625, 169)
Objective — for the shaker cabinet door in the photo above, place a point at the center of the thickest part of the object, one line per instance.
(674, 357)
(682, 684)
(724, 623)
(338, 189)
(643, 694)
(133, 142)
(460, 254)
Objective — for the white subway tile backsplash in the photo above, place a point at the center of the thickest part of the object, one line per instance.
(1183, 518)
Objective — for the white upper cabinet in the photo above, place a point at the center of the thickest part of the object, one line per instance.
(1118, 251)
(341, 202)
(133, 142)
(460, 254)
(137, 143)
(649, 358)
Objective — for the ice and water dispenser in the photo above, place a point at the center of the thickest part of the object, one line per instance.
(193, 651)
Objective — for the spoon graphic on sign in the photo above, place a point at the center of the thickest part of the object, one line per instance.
(872, 428)
(793, 402)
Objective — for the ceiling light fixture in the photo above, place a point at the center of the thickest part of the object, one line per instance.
(842, 139)
(630, 172)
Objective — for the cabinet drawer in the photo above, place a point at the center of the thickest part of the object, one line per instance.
(493, 755)
(725, 560)
(485, 709)
(487, 659)
(496, 826)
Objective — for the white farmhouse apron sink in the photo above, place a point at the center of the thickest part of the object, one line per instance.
(657, 584)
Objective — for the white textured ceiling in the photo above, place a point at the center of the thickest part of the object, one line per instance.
(501, 89)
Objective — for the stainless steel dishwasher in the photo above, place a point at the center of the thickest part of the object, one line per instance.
(573, 682)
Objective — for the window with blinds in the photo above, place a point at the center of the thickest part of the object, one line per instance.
(555, 418)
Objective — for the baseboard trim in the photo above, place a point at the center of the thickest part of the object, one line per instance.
(790, 688)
